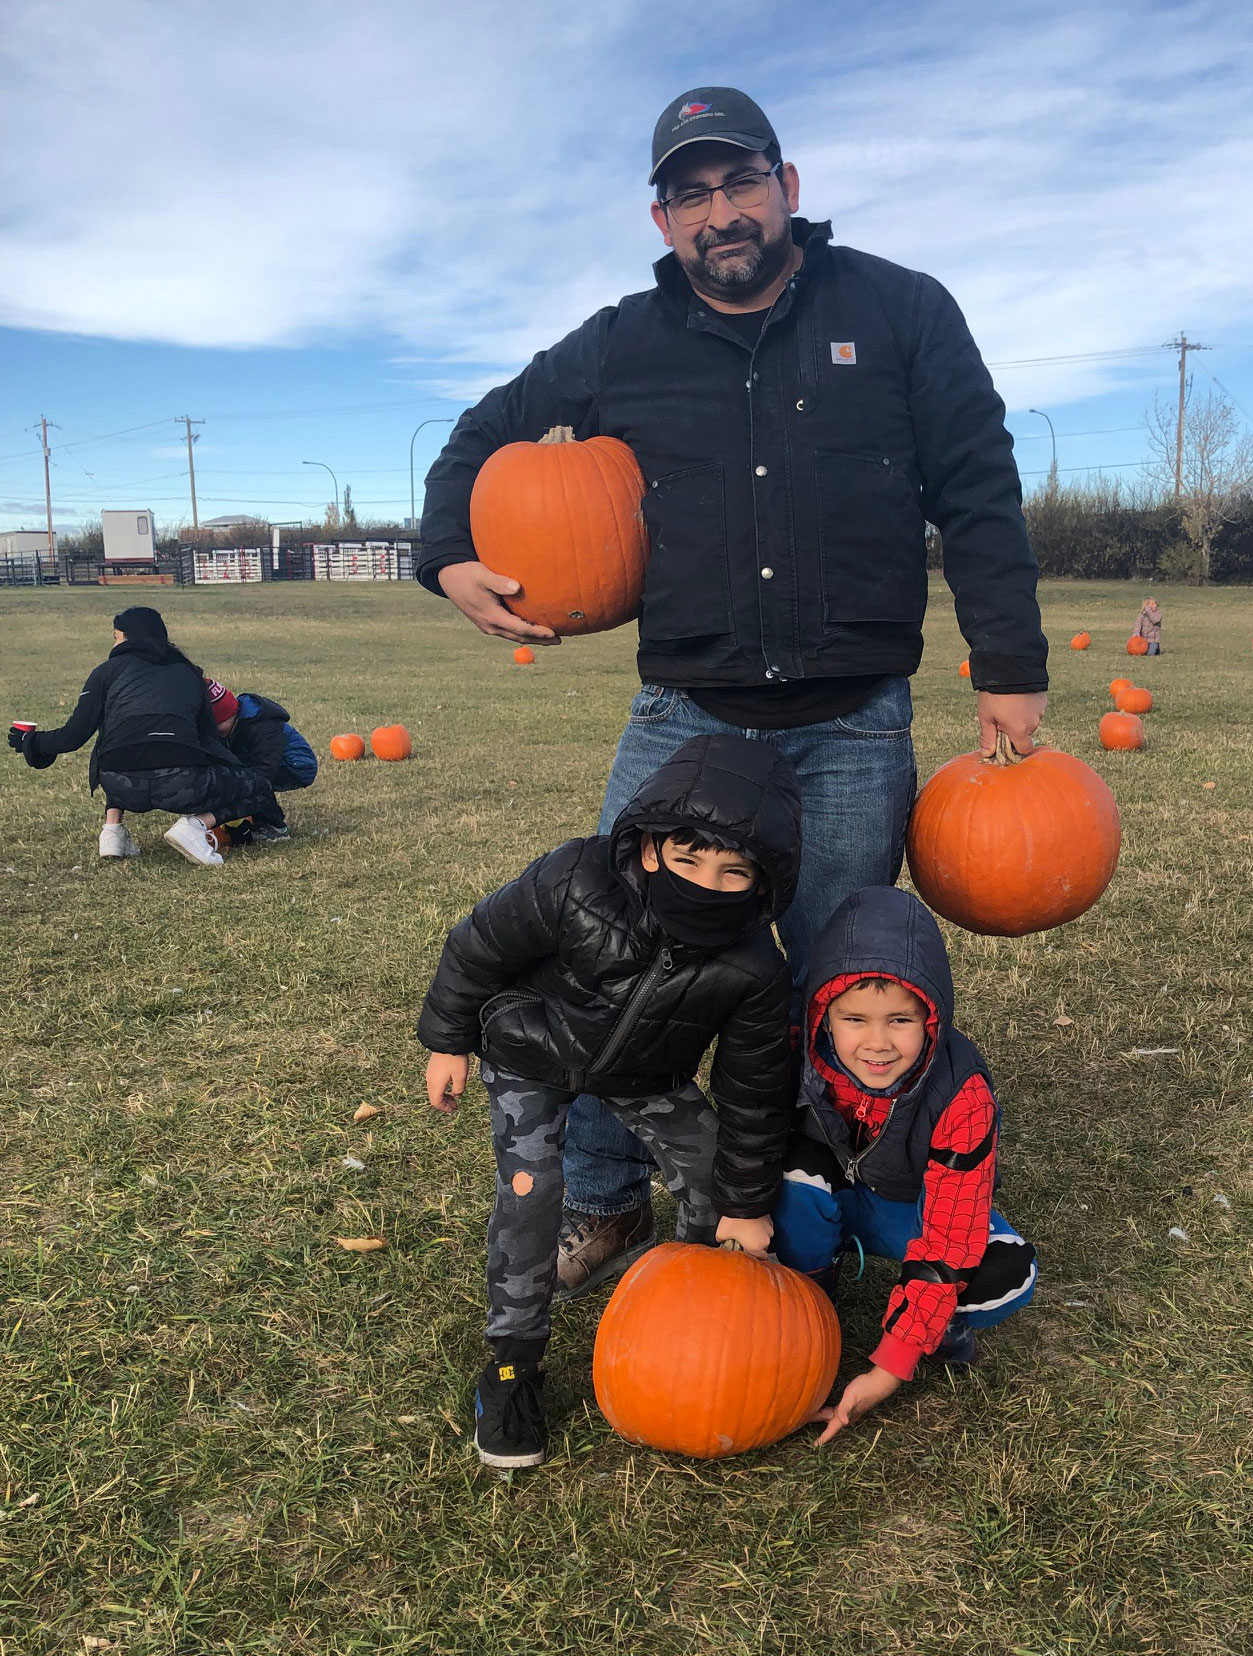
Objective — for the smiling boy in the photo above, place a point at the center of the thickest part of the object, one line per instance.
(897, 1144)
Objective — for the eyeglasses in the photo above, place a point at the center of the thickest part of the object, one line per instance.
(693, 206)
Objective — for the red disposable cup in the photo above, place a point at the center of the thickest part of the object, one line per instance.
(23, 724)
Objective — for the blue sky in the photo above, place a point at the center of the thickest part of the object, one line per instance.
(314, 226)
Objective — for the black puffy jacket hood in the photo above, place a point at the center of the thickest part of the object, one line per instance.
(880, 931)
(730, 790)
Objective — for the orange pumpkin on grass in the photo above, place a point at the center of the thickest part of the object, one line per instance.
(391, 742)
(1081, 641)
(524, 655)
(1121, 731)
(1134, 700)
(564, 518)
(1137, 646)
(709, 1352)
(964, 670)
(1010, 845)
(347, 747)
(1115, 685)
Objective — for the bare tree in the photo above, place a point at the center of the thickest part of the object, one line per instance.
(1216, 478)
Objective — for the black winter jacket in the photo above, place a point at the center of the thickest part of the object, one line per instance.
(152, 713)
(882, 932)
(259, 741)
(788, 486)
(564, 975)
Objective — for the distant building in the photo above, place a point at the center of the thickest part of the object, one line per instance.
(25, 543)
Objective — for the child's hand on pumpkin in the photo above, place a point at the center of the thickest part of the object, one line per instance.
(753, 1235)
(863, 1393)
(446, 1077)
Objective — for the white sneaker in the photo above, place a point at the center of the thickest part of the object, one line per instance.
(190, 838)
(116, 841)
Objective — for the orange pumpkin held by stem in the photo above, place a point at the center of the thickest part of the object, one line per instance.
(564, 518)
(1119, 731)
(524, 655)
(1081, 641)
(1009, 845)
(964, 670)
(391, 742)
(1115, 685)
(1134, 700)
(347, 747)
(1137, 646)
(709, 1352)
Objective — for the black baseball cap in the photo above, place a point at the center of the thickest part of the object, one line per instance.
(709, 113)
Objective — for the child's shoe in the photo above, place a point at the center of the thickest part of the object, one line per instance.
(509, 1427)
(597, 1247)
(268, 833)
(116, 841)
(958, 1345)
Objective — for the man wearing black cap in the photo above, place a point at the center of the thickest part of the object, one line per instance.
(800, 413)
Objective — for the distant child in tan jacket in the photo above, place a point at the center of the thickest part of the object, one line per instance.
(1149, 625)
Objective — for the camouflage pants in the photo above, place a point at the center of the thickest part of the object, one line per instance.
(528, 1134)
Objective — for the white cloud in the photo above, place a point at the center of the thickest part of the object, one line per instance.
(468, 182)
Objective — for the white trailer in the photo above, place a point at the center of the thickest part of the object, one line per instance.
(129, 538)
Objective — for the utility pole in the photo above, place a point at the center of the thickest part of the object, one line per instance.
(52, 545)
(1183, 345)
(191, 465)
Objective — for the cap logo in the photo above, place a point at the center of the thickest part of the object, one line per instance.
(693, 109)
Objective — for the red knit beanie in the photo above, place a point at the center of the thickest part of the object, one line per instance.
(224, 703)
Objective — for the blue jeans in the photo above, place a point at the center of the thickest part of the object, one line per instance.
(857, 785)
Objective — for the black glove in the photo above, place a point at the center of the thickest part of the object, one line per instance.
(25, 742)
(16, 738)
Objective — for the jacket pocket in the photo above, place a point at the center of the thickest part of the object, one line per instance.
(871, 540)
(687, 589)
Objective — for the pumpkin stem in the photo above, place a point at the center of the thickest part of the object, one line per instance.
(559, 434)
(1006, 753)
(730, 1246)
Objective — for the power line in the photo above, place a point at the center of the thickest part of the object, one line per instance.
(1081, 356)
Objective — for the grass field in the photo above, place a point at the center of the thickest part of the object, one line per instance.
(221, 1433)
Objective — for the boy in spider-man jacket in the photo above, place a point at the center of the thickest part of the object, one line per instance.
(895, 1150)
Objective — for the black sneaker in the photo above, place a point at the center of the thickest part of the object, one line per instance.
(957, 1348)
(509, 1425)
(267, 832)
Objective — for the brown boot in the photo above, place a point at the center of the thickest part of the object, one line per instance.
(598, 1247)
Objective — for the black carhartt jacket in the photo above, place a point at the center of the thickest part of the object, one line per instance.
(788, 487)
(149, 713)
(564, 975)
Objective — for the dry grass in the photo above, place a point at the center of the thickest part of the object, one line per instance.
(223, 1434)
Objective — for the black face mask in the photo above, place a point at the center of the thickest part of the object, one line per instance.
(706, 919)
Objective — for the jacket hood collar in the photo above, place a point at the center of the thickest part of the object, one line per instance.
(673, 282)
(145, 649)
(880, 932)
(731, 790)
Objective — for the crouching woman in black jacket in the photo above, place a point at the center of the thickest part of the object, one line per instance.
(157, 747)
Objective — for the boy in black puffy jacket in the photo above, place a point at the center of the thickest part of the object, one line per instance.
(610, 964)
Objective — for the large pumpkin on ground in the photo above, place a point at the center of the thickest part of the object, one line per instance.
(1137, 646)
(564, 518)
(1134, 700)
(347, 747)
(1121, 731)
(709, 1352)
(1006, 846)
(1081, 641)
(391, 742)
(1115, 685)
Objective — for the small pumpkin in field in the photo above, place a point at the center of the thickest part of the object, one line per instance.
(524, 655)
(709, 1352)
(1137, 646)
(1010, 845)
(347, 747)
(1115, 685)
(1134, 700)
(1081, 641)
(219, 838)
(1121, 732)
(964, 670)
(565, 519)
(391, 742)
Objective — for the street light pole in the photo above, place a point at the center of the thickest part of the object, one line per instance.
(437, 420)
(334, 480)
(1052, 440)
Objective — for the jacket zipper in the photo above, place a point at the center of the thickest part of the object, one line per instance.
(857, 1160)
(661, 963)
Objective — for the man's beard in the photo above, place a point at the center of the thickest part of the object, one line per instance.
(745, 273)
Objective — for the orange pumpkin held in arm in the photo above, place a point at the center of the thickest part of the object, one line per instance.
(1137, 646)
(1134, 700)
(347, 747)
(709, 1352)
(391, 742)
(1081, 641)
(1121, 731)
(564, 518)
(1006, 846)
